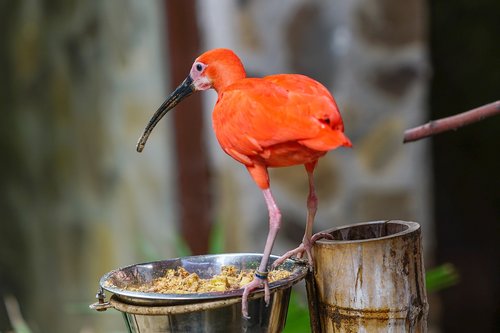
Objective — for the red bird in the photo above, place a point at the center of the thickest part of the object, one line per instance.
(275, 121)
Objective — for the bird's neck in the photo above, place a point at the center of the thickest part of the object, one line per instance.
(228, 76)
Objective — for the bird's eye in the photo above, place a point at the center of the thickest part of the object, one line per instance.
(199, 67)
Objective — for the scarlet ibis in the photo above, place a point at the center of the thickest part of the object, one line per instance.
(276, 121)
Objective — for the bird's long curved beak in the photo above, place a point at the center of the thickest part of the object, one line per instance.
(185, 89)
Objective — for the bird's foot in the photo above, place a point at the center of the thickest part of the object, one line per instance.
(259, 281)
(305, 246)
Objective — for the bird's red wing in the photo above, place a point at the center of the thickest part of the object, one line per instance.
(315, 101)
(322, 106)
(299, 83)
(254, 114)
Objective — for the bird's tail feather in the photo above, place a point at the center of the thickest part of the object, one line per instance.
(327, 140)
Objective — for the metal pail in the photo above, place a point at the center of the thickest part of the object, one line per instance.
(206, 312)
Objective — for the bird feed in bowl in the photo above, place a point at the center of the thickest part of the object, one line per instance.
(180, 281)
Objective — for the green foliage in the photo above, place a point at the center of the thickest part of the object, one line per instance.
(21, 328)
(147, 251)
(181, 246)
(215, 245)
(441, 277)
(297, 320)
(216, 242)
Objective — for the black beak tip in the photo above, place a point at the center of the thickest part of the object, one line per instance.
(140, 147)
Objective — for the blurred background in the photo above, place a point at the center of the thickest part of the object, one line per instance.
(80, 80)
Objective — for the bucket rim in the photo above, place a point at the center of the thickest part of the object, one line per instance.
(109, 280)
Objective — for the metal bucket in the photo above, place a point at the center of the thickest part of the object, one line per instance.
(202, 312)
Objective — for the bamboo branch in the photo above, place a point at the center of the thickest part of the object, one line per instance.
(451, 123)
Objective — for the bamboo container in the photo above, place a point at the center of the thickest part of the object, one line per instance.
(369, 278)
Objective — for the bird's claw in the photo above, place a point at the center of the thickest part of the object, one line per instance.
(288, 255)
(259, 281)
(306, 247)
(321, 235)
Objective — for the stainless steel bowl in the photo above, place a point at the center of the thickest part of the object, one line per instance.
(200, 312)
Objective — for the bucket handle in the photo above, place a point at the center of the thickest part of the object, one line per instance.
(101, 304)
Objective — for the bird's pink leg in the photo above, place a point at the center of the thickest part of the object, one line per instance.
(312, 207)
(258, 282)
(309, 238)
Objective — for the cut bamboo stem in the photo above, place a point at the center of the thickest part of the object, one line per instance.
(369, 278)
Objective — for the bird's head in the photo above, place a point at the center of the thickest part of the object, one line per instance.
(216, 69)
